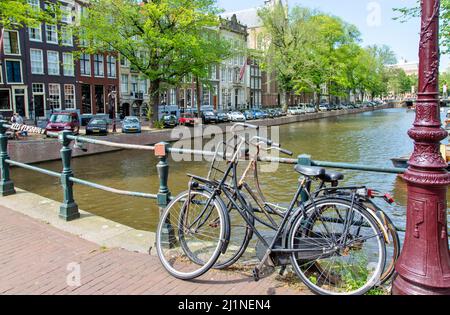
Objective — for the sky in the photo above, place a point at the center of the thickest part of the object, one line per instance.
(374, 18)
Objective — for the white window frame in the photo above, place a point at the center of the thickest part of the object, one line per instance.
(21, 71)
(42, 60)
(1, 73)
(124, 87)
(39, 28)
(35, 4)
(48, 63)
(18, 43)
(46, 35)
(66, 12)
(65, 63)
(66, 37)
(114, 66)
(49, 94)
(89, 64)
(10, 100)
(102, 68)
(74, 96)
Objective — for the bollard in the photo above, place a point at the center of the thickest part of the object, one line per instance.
(6, 184)
(305, 160)
(69, 209)
(161, 150)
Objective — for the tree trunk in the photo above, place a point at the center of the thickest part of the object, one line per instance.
(198, 93)
(153, 114)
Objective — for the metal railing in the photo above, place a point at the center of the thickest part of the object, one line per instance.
(69, 209)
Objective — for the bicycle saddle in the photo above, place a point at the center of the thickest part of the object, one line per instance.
(310, 171)
(331, 176)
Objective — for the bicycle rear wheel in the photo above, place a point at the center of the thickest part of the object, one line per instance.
(335, 260)
(191, 234)
(392, 251)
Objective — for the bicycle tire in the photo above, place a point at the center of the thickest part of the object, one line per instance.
(203, 267)
(299, 225)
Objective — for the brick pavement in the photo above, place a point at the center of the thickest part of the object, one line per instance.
(35, 257)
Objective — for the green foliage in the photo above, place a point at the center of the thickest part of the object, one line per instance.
(406, 13)
(159, 124)
(165, 40)
(308, 48)
(399, 82)
(16, 14)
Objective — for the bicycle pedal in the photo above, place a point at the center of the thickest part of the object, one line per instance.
(256, 275)
(282, 271)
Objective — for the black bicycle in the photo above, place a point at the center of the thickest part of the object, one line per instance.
(334, 246)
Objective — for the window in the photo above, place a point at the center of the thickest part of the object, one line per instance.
(69, 96)
(38, 88)
(134, 84)
(85, 64)
(68, 65)
(124, 83)
(98, 65)
(173, 97)
(35, 33)
(124, 62)
(37, 61)
(66, 14)
(11, 42)
(111, 66)
(51, 34)
(143, 85)
(66, 36)
(13, 71)
(5, 103)
(34, 4)
(53, 62)
(54, 95)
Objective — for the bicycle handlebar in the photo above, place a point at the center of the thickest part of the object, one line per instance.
(245, 125)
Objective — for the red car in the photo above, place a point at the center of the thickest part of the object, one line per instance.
(187, 119)
(64, 121)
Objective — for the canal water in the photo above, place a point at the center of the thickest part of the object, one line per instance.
(371, 138)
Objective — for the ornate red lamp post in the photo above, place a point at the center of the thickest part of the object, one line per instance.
(424, 265)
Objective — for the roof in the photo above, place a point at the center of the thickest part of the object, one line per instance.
(247, 17)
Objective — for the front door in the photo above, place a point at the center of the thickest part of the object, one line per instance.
(20, 102)
(39, 106)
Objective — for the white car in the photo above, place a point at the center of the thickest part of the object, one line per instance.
(292, 111)
(310, 109)
(236, 116)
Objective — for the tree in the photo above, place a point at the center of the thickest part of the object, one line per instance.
(18, 13)
(406, 13)
(165, 40)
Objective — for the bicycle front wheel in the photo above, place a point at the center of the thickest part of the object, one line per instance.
(191, 234)
(340, 249)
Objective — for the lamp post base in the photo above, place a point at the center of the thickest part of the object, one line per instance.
(401, 286)
(7, 189)
(69, 212)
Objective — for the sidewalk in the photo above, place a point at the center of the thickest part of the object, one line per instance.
(36, 258)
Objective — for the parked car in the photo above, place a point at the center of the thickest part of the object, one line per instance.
(236, 116)
(222, 117)
(169, 121)
(209, 117)
(97, 126)
(310, 109)
(292, 111)
(131, 124)
(323, 108)
(64, 121)
(187, 119)
(248, 115)
(259, 114)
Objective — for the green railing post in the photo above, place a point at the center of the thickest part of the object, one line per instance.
(305, 160)
(161, 152)
(69, 209)
(6, 184)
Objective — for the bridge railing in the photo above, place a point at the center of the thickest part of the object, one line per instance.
(69, 208)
